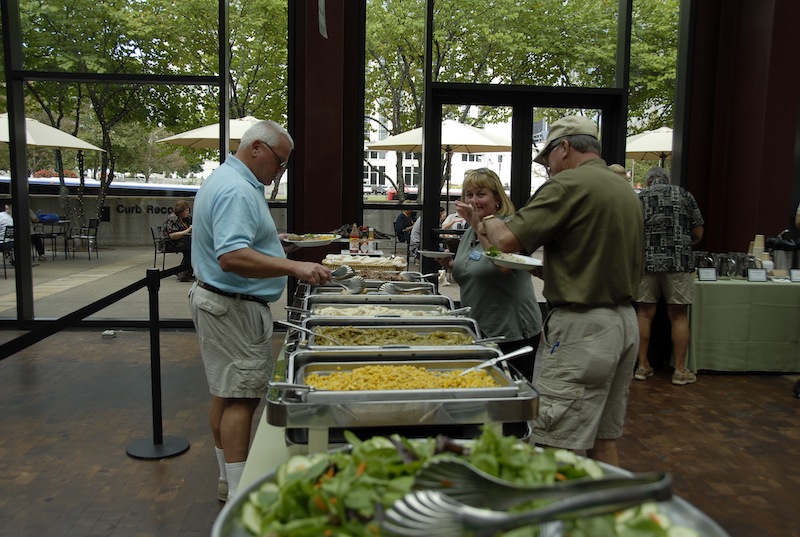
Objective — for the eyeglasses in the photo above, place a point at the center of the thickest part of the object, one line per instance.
(553, 147)
(282, 164)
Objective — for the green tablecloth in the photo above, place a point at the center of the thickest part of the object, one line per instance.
(738, 325)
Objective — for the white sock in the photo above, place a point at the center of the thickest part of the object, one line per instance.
(221, 461)
(234, 470)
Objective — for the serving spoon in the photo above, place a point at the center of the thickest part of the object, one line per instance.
(309, 331)
(488, 363)
(342, 272)
(354, 285)
(412, 276)
(393, 289)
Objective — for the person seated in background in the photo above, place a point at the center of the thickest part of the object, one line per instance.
(177, 229)
(453, 221)
(5, 221)
(403, 225)
(36, 239)
(414, 240)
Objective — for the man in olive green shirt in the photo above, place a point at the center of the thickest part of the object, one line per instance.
(589, 221)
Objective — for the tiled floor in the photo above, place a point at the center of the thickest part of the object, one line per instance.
(73, 403)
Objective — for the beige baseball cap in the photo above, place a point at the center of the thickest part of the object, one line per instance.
(565, 127)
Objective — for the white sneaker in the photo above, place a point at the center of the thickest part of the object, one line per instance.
(682, 378)
(42, 258)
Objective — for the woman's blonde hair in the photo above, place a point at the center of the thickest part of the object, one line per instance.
(486, 178)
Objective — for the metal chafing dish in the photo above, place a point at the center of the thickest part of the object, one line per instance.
(504, 386)
(386, 310)
(371, 286)
(402, 301)
(318, 418)
(417, 325)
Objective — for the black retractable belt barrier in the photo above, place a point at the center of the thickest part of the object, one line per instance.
(160, 446)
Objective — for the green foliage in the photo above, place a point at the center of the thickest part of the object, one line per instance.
(530, 42)
(535, 42)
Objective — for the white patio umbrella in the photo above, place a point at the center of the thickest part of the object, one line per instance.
(40, 135)
(650, 145)
(456, 138)
(208, 137)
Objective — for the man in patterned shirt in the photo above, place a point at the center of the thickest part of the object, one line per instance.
(672, 224)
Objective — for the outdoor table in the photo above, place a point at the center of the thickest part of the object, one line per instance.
(738, 325)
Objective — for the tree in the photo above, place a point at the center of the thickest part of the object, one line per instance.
(90, 37)
(136, 146)
(158, 36)
(538, 42)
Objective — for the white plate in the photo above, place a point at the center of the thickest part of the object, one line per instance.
(514, 261)
(435, 255)
(314, 239)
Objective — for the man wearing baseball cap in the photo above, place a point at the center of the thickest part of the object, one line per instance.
(589, 221)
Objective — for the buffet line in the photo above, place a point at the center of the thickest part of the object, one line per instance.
(397, 382)
(387, 321)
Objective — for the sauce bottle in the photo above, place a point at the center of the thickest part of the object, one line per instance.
(354, 239)
(371, 241)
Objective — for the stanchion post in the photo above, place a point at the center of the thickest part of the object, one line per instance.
(159, 447)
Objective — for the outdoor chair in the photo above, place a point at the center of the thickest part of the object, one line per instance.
(87, 235)
(7, 247)
(161, 245)
(46, 232)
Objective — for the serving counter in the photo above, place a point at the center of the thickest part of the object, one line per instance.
(738, 325)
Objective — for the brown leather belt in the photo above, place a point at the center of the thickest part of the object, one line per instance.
(241, 296)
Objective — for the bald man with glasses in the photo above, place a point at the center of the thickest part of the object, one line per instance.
(241, 267)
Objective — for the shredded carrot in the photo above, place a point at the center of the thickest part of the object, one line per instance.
(333, 500)
(328, 532)
(320, 503)
(654, 518)
(361, 468)
(560, 476)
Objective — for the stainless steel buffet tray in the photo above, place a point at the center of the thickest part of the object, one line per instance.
(417, 325)
(372, 286)
(296, 413)
(386, 310)
(310, 301)
(504, 386)
(289, 409)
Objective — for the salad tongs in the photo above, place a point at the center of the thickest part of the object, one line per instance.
(434, 509)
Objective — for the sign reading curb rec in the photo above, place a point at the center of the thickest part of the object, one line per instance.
(138, 209)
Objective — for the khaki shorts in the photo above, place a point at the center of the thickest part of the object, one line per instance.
(587, 358)
(676, 287)
(234, 343)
